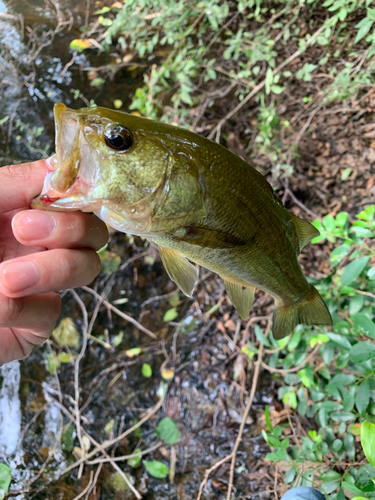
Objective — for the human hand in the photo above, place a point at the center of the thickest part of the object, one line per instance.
(40, 253)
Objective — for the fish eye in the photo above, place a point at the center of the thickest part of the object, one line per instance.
(118, 138)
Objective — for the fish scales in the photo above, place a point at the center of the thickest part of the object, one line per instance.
(194, 198)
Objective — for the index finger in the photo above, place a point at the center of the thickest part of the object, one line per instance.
(19, 184)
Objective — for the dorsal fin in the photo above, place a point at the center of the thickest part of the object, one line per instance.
(242, 297)
(305, 231)
(180, 270)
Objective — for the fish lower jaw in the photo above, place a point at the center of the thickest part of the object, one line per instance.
(124, 222)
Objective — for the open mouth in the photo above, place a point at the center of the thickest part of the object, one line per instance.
(68, 185)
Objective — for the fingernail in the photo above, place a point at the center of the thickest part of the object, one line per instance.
(34, 225)
(17, 276)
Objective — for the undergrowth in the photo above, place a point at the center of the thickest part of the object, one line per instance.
(207, 55)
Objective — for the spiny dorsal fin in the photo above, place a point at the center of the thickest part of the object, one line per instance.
(242, 297)
(180, 270)
(305, 231)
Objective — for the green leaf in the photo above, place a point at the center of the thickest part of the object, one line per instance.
(268, 419)
(362, 232)
(277, 89)
(66, 334)
(339, 340)
(170, 315)
(146, 370)
(349, 398)
(290, 475)
(110, 260)
(137, 460)
(364, 28)
(342, 416)
(96, 82)
(5, 478)
(168, 430)
(269, 80)
(349, 443)
(371, 13)
(363, 479)
(109, 426)
(345, 174)
(368, 441)
(342, 379)
(338, 254)
(342, 219)
(363, 396)
(67, 438)
(330, 475)
(363, 324)
(363, 351)
(350, 487)
(356, 304)
(330, 486)
(353, 270)
(104, 10)
(156, 469)
(261, 337)
(65, 357)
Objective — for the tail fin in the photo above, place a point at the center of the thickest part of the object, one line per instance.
(310, 311)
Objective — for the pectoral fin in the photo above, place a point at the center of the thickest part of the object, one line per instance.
(242, 297)
(305, 231)
(210, 238)
(180, 270)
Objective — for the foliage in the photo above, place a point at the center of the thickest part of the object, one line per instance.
(339, 393)
(5, 478)
(205, 50)
(156, 469)
(168, 431)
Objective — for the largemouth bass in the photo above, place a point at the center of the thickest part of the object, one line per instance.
(192, 197)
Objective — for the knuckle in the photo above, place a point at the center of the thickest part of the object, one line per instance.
(15, 172)
(11, 310)
(93, 266)
(67, 266)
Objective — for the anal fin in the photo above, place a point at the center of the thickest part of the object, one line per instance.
(180, 270)
(242, 297)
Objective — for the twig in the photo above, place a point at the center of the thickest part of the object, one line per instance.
(126, 457)
(275, 483)
(100, 447)
(107, 444)
(233, 454)
(366, 293)
(244, 418)
(83, 492)
(118, 312)
(259, 87)
(208, 472)
(298, 202)
(76, 376)
(296, 368)
(96, 477)
(115, 466)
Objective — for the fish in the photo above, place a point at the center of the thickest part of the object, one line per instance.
(195, 199)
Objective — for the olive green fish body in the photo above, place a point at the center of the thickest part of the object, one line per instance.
(194, 198)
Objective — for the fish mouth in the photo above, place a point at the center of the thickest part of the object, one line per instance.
(73, 175)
